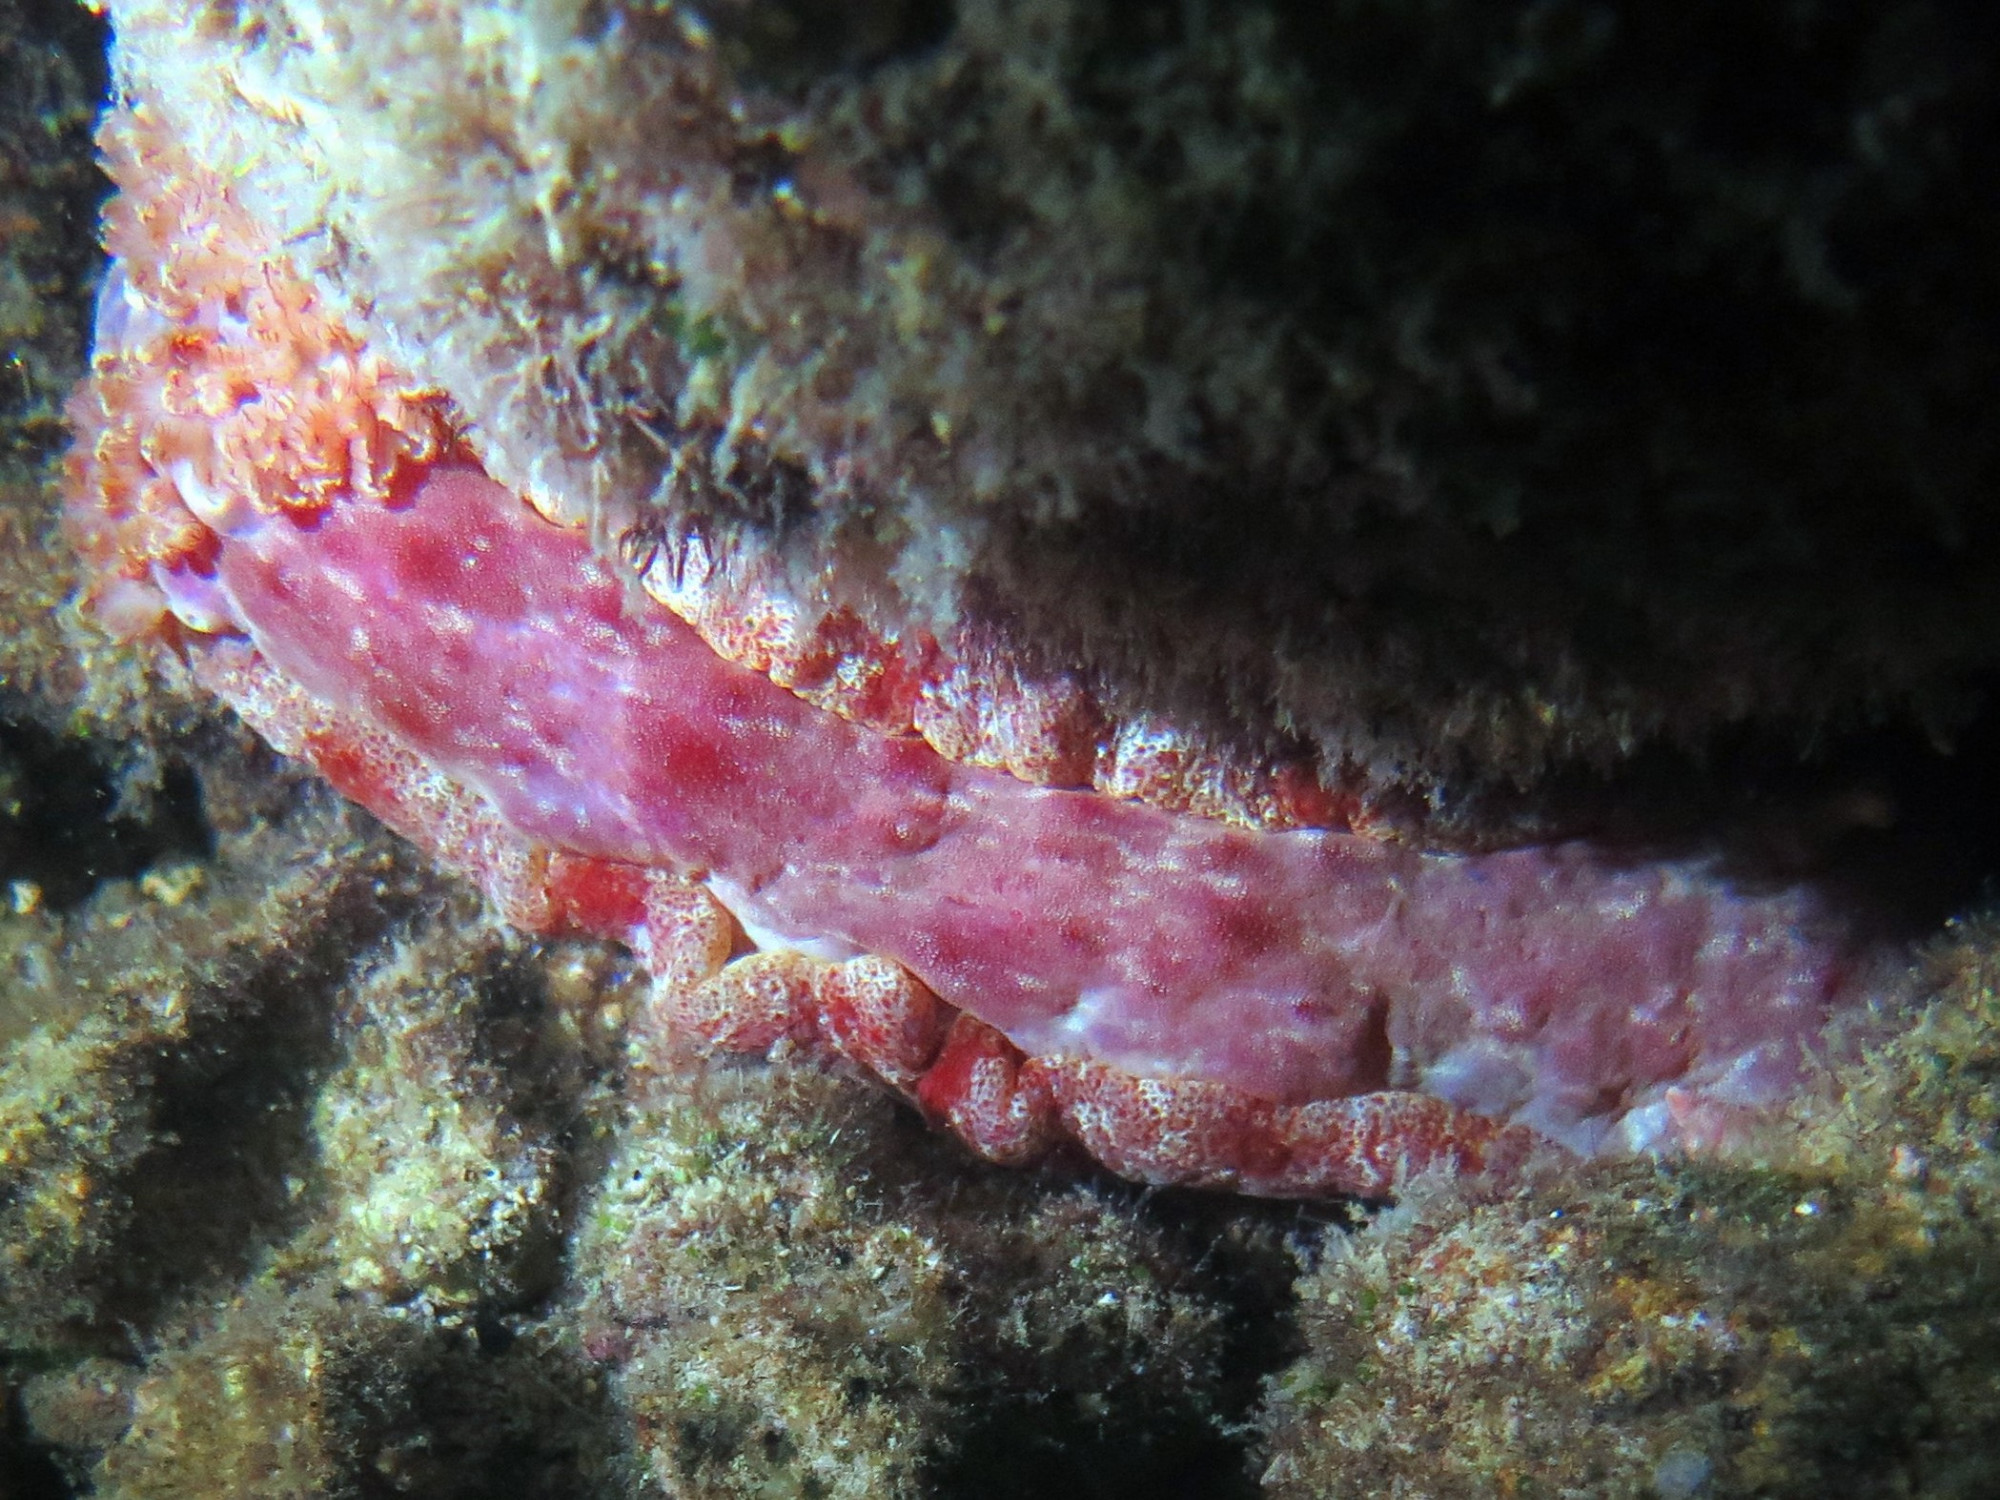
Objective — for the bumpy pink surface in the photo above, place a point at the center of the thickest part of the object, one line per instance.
(1543, 986)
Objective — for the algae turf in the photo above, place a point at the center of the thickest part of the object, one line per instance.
(1828, 1325)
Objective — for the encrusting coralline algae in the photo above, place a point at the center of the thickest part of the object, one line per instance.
(1282, 1010)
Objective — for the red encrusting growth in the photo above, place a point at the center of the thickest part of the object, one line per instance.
(1187, 1131)
(975, 704)
(964, 1074)
(1187, 1001)
(598, 896)
(222, 384)
(993, 1097)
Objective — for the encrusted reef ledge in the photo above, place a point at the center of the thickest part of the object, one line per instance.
(315, 1181)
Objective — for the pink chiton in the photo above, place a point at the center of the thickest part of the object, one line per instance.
(985, 891)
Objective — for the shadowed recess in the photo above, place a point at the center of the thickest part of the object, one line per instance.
(1063, 1421)
(62, 828)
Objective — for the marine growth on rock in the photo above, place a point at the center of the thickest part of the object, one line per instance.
(968, 875)
(1244, 589)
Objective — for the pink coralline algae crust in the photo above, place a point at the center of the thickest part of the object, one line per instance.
(1283, 1011)
(972, 701)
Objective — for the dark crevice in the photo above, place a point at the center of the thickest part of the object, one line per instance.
(231, 1130)
(52, 58)
(64, 829)
(450, 1417)
(790, 46)
(1037, 1428)
(1029, 1443)
(544, 1080)
(28, 1470)
(1898, 828)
